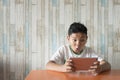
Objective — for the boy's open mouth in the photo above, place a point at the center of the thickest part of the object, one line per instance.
(77, 50)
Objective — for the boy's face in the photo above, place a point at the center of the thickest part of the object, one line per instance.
(77, 41)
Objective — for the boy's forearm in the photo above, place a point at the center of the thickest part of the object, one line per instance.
(53, 66)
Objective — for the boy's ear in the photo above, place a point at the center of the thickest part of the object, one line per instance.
(68, 37)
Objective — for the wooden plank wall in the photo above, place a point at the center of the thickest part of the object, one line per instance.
(32, 30)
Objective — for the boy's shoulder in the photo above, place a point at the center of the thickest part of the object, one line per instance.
(87, 47)
(63, 49)
(64, 46)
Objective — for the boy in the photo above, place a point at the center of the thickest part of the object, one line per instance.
(77, 38)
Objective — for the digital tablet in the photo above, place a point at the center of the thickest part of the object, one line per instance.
(82, 63)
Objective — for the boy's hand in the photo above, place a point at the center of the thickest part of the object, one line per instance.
(68, 66)
(95, 68)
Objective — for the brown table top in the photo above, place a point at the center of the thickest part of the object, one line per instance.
(54, 75)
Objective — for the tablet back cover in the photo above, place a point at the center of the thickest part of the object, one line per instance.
(83, 63)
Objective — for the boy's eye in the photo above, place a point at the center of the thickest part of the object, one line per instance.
(74, 40)
(82, 40)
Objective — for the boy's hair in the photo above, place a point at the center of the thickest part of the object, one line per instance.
(77, 27)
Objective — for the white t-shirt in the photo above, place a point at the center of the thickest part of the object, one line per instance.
(64, 53)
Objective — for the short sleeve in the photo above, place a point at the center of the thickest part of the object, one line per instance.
(58, 56)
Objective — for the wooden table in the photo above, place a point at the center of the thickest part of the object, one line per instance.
(53, 75)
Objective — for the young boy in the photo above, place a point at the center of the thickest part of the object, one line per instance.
(77, 38)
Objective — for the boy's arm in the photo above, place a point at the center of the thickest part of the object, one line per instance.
(51, 65)
(104, 66)
(67, 67)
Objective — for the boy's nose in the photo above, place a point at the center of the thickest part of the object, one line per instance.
(78, 43)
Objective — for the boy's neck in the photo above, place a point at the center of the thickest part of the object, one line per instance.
(75, 52)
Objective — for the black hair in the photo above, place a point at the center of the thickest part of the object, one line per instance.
(77, 27)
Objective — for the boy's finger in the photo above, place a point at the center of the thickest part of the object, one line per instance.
(96, 62)
(69, 60)
(91, 67)
(91, 70)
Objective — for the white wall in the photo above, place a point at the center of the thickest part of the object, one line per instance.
(31, 31)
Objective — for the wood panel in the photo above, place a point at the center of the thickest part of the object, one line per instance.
(32, 30)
